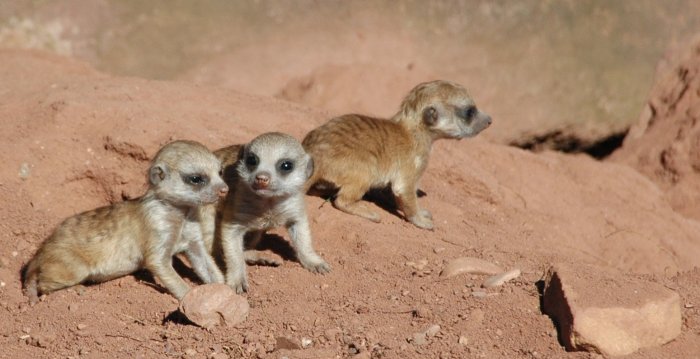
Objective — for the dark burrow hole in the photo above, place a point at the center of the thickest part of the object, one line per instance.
(558, 140)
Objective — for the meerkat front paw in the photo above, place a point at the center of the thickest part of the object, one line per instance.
(240, 285)
(316, 266)
(254, 257)
(421, 221)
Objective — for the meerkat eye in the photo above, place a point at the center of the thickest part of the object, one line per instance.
(467, 112)
(286, 166)
(196, 179)
(251, 160)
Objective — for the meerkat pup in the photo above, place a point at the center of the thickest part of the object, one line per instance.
(267, 191)
(116, 240)
(353, 153)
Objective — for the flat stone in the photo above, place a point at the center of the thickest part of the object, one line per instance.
(210, 305)
(469, 265)
(500, 279)
(602, 311)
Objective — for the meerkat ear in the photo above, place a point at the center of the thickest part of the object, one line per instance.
(430, 116)
(309, 166)
(157, 173)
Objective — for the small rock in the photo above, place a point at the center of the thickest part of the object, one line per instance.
(499, 279)
(608, 312)
(306, 342)
(73, 307)
(15, 253)
(286, 343)
(432, 330)
(479, 294)
(462, 340)
(469, 265)
(24, 171)
(190, 352)
(210, 305)
(81, 326)
(437, 250)
(419, 339)
(688, 305)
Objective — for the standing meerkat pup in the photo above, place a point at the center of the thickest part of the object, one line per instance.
(267, 191)
(116, 240)
(354, 153)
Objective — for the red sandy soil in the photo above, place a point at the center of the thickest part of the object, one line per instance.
(86, 138)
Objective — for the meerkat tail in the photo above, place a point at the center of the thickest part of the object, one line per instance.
(31, 277)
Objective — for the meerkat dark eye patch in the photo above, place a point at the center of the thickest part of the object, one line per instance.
(467, 112)
(251, 160)
(285, 166)
(196, 179)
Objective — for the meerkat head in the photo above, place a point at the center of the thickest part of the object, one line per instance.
(444, 108)
(186, 173)
(274, 165)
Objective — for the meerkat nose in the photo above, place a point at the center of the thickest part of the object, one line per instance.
(262, 179)
(223, 191)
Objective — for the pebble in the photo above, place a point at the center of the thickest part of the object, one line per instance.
(432, 330)
(24, 171)
(190, 352)
(81, 326)
(500, 279)
(462, 340)
(469, 265)
(15, 253)
(437, 250)
(210, 305)
(479, 294)
(306, 342)
(419, 339)
(688, 305)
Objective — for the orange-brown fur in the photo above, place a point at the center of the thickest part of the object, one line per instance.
(354, 153)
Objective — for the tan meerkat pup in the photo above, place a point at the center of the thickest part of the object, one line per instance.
(267, 191)
(354, 153)
(117, 240)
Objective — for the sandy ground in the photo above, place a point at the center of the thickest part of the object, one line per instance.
(78, 134)
(74, 138)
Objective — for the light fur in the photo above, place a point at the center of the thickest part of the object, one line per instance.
(117, 240)
(265, 196)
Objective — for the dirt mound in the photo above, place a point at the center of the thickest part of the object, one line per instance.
(345, 89)
(74, 139)
(665, 143)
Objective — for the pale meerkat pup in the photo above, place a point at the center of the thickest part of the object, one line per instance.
(267, 191)
(117, 240)
(354, 153)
